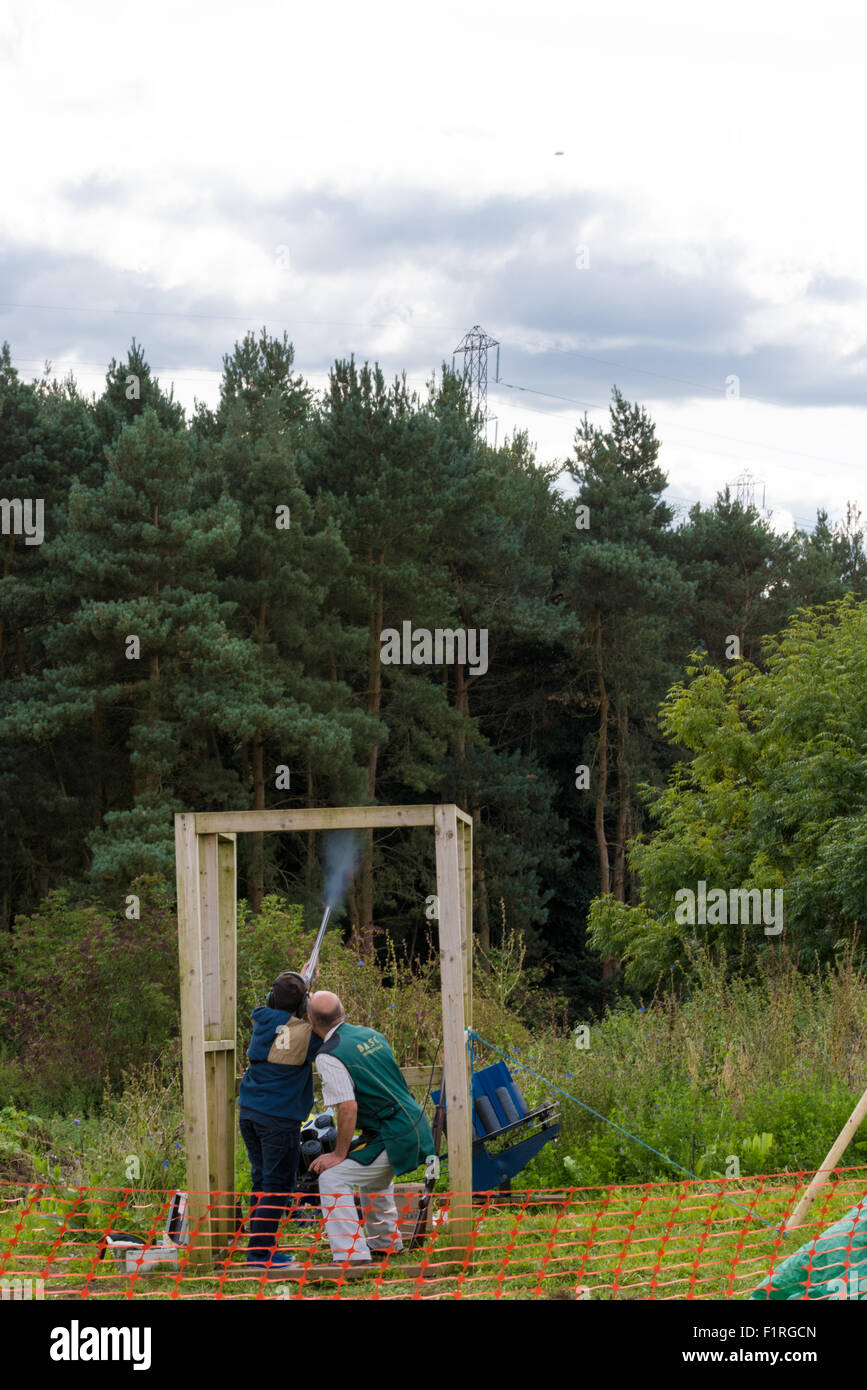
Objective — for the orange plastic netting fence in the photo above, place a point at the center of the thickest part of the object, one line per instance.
(714, 1239)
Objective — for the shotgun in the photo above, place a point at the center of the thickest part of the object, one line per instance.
(308, 974)
(432, 1165)
(310, 968)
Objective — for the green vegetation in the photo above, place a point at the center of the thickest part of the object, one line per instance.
(764, 1070)
(664, 703)
(774, 797)
(201, 627)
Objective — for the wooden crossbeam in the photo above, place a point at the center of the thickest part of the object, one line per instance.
(319, 818)
(324, 818)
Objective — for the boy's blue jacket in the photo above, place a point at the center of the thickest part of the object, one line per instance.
(279, 1079)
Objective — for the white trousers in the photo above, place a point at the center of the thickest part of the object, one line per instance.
(375, 1183)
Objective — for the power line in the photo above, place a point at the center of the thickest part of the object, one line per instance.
(207, 374)
(712, 391)
(690, 429)
(717, 453)
(214, 372)
(210, 373)
(643, 371)
(688, 502)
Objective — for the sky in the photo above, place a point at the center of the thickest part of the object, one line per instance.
(668, 198)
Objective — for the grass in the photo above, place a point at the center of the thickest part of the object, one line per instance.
(759, 1071)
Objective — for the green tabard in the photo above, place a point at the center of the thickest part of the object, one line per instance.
(388, 1115)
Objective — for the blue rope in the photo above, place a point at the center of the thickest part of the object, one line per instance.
(513, 1062)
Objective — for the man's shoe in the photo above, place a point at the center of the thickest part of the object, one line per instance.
(380, 1255)
(257, 1259)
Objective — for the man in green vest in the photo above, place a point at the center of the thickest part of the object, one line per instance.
(363, 1084)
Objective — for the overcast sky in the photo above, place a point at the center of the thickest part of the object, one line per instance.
(379, 178)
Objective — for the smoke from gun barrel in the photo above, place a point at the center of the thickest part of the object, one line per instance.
(342, 854)
(310, 970)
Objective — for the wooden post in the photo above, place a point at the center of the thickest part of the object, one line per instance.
(221, 1060)
(227, 871)
(193, 1035)
(209, 890)
(465, 869)
(822, 1176)
(454, 984)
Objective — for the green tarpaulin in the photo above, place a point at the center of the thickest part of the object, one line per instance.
(831, 1265)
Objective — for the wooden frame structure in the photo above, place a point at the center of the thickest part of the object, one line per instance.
(206, 859)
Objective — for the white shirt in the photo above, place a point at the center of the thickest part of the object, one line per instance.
(337, 1084)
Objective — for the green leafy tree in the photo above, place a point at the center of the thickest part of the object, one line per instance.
(773, 796)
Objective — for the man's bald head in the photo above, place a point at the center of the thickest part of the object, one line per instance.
(324, 1011)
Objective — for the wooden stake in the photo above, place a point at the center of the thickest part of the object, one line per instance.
(465, 869)
(223, 1158)
(453, 976)
(822, 1177)
(193, 1036)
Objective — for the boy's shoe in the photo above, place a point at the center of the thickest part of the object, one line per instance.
(259, 1260)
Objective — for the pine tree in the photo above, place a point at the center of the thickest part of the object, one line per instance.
(623, 584)
(830, 562)
(145, 649)
(130, 390)
(498, 543)
(47, 439)
(280, 582)
(370, 463)
(741, 570)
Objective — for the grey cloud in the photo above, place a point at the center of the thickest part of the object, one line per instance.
(839, 288)
(507, 262)
(95, 191)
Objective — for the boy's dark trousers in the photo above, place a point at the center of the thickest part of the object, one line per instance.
(274, 1148)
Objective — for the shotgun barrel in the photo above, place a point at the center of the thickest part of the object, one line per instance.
(310, 969)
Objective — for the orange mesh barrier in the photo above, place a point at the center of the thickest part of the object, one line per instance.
(669, 1241)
